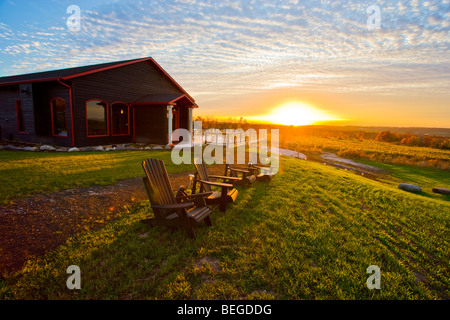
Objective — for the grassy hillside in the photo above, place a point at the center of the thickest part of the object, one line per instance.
(25, 173)
(310, 233)
(371, 150)
(426, 178)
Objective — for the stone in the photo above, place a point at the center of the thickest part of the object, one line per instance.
(46, 147)
(90, 149)
(121, 148)
(157, 148)
(62, 149)
(143, 235)
(73, 149)
(409, 187)
(441, 191)
(11, 147)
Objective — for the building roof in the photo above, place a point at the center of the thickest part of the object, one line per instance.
(63, 73)
(69, 73)
(167, 99)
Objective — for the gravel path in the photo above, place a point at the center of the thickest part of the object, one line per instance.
(352, 165)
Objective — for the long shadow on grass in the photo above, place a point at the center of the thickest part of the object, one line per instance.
(131, 260)
(159, 262)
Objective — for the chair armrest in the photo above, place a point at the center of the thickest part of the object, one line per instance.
(195, 195)
(218, 184)
(174, 206)
(253, 170)
(224, 177)
(238, 170)
(203, 194)
(261, 166)
(250, 169)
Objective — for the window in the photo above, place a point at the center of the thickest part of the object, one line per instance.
(97, 118)
(19, 113)
(120, 117)
(58, 111)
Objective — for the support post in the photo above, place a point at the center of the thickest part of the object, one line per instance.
(190, 124)
(169, 126)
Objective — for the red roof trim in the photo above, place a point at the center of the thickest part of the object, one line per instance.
(154, 103)
(79, 74)
(171, 102)
(29, 81)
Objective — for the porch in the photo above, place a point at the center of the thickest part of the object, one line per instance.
(156, 116)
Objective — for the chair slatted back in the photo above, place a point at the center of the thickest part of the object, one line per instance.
(203, 175)
(159, 191)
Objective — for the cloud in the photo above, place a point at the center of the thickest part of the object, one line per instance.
(218, 49)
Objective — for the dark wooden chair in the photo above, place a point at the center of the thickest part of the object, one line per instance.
(228, 193)
(182, 211)
(246, 176)
(261, 172)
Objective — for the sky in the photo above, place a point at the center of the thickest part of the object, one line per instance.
(364, 63)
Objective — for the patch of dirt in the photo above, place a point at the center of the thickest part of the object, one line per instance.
(214, 263)
(38, 224)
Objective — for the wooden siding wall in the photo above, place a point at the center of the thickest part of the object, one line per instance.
(184, 118)
(36, 112)
(8, 118)
(149, 131)
(43, 94)
(8, 115)
(126, 84)
(26, 95)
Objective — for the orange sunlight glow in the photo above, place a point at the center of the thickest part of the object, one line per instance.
(295, 113)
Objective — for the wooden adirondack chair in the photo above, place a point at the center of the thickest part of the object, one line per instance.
(260, 171)
(228, 193)
(182, 211)
(246, 175)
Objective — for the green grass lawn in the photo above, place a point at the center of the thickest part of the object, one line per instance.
(26, 173)
(310, 233)
(426, 178)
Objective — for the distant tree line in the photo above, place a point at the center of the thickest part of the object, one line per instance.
(409, 139)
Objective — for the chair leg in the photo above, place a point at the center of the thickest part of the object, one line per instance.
(208, 221)
(151, 222)
(223, 206)
(190, 231)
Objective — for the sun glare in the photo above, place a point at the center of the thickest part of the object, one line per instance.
(297, 114)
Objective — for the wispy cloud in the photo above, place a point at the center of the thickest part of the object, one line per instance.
(236, 47)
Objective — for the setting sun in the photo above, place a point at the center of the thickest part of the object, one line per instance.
(295, 113)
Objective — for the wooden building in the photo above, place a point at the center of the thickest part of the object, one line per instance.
(110, 103)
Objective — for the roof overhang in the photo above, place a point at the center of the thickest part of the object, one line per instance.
(165, 99)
